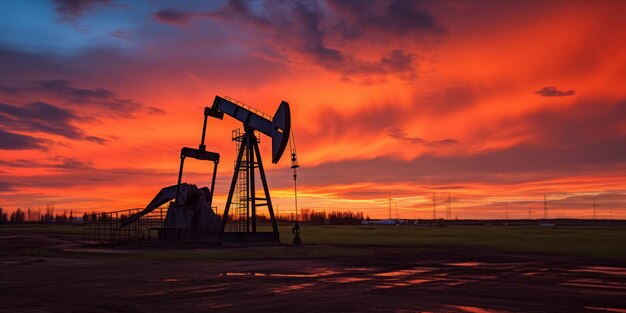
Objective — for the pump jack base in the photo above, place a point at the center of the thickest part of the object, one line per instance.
(297, 240)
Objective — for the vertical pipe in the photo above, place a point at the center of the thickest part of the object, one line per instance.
(247, 199)
(213, 184)
(295, 192)
(251, 149)
(180, 176)
(202, 146)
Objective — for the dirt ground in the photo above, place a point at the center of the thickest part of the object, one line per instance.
(433, 280)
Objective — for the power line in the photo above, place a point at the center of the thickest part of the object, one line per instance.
(390, 205)
(397, 216)
(545, 207)
(434, 207)
(594, 207)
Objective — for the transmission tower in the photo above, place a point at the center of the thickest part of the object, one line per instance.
(389, 205)
(448, 208)
(396, 203)
(434, 207)
(594, 207)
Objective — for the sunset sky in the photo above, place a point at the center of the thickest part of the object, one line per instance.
(496, 103)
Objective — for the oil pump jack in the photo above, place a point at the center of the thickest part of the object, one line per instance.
(190, 216)
(278, 128)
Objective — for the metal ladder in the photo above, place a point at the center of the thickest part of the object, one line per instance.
(240, 214)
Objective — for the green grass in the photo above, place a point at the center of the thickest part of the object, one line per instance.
(593, 242)
(606, 243)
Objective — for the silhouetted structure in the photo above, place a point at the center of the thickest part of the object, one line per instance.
(278, 128)
(190, 216)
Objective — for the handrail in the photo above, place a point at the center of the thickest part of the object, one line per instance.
(249, 108)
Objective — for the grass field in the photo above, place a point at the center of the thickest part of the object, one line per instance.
(374, 241)
(604, 243)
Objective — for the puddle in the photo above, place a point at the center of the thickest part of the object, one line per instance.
(473, 309)
(594, 283)
(246, 274)
(617, 310)
(609, 270)
(420, 281)
(322, 273)
(292, 288)
(187, 290)
(464, 264)
(359, 269)
(391, 285)
(484, 277)
(209, 290)
(343, 280)
(417, 270)
(531, 273)
(460, 282)
(173, 280)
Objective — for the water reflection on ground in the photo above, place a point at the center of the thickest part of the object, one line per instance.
(444, 277)
(473, 309)
(616, 310)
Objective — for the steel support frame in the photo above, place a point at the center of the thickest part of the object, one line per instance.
(250, 145)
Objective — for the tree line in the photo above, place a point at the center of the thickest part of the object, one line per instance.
(29, 215)
(324, 218)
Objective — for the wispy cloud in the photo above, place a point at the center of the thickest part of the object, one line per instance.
(41, 117)
(14, 141)
(320, 34)
(69, 10)
(554, 92)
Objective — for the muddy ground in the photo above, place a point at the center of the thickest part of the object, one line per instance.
(431, 280)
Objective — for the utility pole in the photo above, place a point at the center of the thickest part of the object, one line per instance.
(397, 216)
(594, 207)
(390, 205)
(449, 208)
(434, 207)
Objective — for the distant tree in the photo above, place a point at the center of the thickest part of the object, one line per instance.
(71, 218)
(17, 216)
(85, 217)
(48, 217)
(2, 214)
(61, 218)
